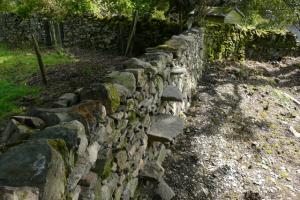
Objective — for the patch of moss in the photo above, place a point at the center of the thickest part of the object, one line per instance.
(107, 168)
(132, 117)
(60, 146)
(113, 96)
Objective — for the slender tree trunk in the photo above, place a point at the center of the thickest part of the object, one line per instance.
(58, 35)
(47, 33)
(53, 35)
(121, 37)
(133, 30)
(39, 58)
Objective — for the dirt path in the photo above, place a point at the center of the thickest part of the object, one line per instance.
(239, 141)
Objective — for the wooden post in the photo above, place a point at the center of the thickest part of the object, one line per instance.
(135, 19)
(39, 58)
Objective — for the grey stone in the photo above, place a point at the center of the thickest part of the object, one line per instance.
(67, 99)
(172, 93)
(124, 93)
(122, 160)
(159, 82)
(33, 122)
(82, 168)
(178, 70)
(162, 154)
(152, 171)
(140, 76)
(107, 93)
(165, 127)
(35, 164)
(15, 132)
(71, 97)
(164, 191)
(93, 150)
(89, 180)
(87, 193)
(163, 57)
(135, 63)
(130, 189)
(73, 133)
(19, 193)
(110, 186)
(104, 162)
(126, 79)
(90, 113)
(74, 195)
(51, 116)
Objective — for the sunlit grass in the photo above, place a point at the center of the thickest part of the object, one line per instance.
(16, 66)
(10, 93)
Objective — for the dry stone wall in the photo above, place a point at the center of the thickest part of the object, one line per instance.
(18, 32)
(91, 32)
(107, 141)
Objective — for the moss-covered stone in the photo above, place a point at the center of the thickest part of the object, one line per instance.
(112, 100)
(35, 164)
(126, 79)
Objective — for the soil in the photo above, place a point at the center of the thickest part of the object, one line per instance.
(238, 142)
(90, 67)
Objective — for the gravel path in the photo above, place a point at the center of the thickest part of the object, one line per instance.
(241, 138)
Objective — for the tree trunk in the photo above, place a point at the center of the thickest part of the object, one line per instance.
(39, 58)
(47, 33)
(58, 35)
(53, 35)
(129, 43)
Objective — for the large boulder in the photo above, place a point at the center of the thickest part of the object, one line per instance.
(135, 63)
(126, 79)
(165, 127)
(15, 132)
(73, 133)
(108, 93)
(172, 93)
(35, 164)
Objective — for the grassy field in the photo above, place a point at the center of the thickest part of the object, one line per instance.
(16, 66)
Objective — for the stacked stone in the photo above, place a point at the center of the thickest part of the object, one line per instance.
(107, 141)
(111, 33)
(88, 31)
(17, 31)
(93, 32)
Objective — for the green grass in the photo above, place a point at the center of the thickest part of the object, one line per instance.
(10, 93)
(16, 66)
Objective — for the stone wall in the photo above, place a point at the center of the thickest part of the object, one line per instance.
(227, 41)
(107, 141)
(88, 32)
(112, 33)
(18, 32)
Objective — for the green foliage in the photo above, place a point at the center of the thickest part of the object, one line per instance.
(226, 41)
(52, 8)
(271, 13)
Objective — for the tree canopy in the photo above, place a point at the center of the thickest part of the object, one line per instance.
(258, 12)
